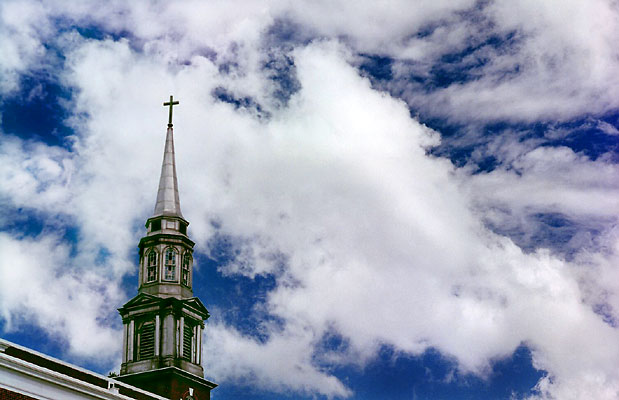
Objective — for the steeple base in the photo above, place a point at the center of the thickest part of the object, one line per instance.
(160, 362)
(172, 383)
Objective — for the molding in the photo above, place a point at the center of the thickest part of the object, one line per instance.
(177, 370)
(165, 238)
(161, 216)
(34, 375)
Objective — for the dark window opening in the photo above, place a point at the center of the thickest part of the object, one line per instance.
(155, 225)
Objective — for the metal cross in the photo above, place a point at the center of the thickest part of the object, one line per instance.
(170, 103)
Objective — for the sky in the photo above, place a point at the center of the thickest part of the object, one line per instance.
(393, 200)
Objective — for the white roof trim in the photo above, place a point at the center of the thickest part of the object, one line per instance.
(6, 359)
(12, 368)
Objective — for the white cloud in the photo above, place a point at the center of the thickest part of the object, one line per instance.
(40, 285)
(375, 228)
(282, 364)
(560, 64)
(553, 179)
(21, 46)
(607, 128)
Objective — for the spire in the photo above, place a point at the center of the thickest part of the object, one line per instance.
(163, 324)
(168, 202)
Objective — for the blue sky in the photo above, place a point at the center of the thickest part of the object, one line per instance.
(416, 200)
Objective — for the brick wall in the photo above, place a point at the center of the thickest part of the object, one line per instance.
(8, 395)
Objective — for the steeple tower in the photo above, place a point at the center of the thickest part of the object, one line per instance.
(162, 343)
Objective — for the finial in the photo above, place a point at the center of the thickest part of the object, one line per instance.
(170, 103)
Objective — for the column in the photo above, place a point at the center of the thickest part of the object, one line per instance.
(199, 362)
(142, 264)
(157, 335)
(194, 345)
(180, 334)
(130, 340)
(125, 329)
(169, 335)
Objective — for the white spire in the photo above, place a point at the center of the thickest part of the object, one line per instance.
(168, 202)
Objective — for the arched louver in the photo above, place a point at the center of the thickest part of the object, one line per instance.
(146, 341)
(187, 342)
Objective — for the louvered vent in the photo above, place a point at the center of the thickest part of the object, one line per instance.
(187, 339)
(147, 341)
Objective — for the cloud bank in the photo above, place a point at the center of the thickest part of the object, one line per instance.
(320, 178)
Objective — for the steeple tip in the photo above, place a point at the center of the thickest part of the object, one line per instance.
(168, 202)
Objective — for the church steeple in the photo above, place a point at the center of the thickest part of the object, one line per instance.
(162, 345)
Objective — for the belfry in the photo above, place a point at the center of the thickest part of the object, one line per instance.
(163, 324)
